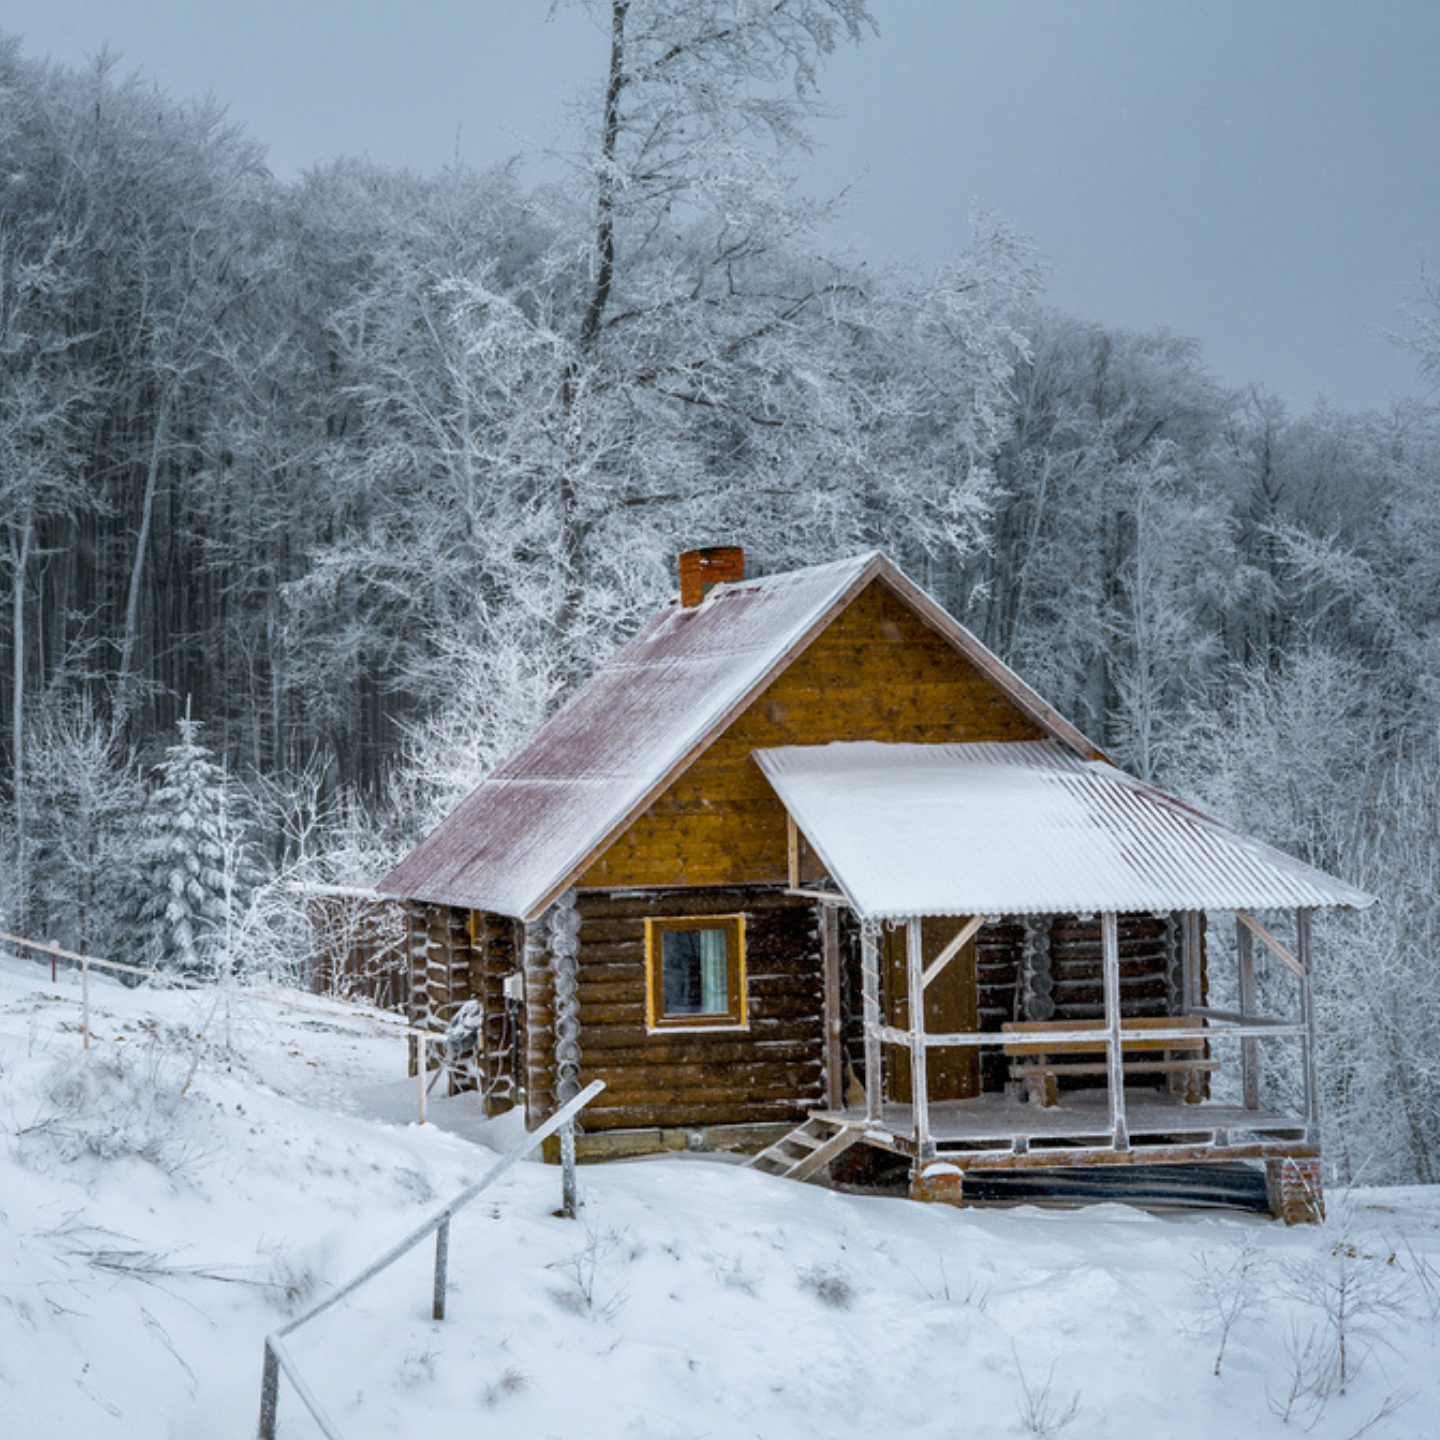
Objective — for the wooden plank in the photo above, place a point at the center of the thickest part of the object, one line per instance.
(1180, 1154)
(1132, 1067)
(1270, 942)
(690, 1114)
(963, 936)
(1146, 1032)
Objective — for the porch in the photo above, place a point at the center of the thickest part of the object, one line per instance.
(927, 846)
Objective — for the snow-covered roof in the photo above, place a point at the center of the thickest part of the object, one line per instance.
(1021, 828)
(531, 828)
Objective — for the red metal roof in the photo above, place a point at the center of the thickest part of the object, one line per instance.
(535, 824)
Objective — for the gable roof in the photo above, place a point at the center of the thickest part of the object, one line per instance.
(537, 822)
(897, 828)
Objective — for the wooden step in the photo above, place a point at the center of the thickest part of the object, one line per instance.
(818, 1143)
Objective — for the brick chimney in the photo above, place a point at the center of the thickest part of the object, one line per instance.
(700, 570)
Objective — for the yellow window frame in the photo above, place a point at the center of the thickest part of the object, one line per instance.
(734, 1016)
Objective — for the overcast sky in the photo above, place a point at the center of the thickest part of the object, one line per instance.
(1262, 174)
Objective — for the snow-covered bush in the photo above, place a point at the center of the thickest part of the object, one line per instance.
(127, 1100)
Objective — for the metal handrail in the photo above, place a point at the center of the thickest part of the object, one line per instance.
(277, 1357)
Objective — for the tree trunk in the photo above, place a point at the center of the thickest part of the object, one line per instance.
(17, 701)
(125, 677)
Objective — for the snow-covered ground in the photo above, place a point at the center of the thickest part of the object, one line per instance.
(166, 1201)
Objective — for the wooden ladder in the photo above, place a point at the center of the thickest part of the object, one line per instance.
(807, 1149)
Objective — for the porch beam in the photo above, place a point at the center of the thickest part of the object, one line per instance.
(1234, 1017)
(915, 997)
(964, 935)
(1115, 1079)
(1256, 1029)
(792, 850)
(1249, 1052)
(1056, 1158)
(1270, 942)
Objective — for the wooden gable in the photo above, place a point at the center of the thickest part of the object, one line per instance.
(876, 672)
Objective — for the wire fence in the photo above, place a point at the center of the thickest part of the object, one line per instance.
(340, 1010)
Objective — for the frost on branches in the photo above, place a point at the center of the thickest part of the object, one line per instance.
(194, 875)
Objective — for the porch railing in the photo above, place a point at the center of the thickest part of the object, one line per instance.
(1244, 1025)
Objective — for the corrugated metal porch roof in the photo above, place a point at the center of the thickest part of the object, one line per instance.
(1023, 828)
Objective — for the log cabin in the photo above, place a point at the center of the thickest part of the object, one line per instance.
(805, 867)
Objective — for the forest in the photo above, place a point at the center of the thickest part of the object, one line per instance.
(317, 495)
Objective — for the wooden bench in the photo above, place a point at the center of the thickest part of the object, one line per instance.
(1040, 1062)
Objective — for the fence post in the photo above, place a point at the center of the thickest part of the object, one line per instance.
(85, 1003)
(442, 1262)
(269, 1393)
(567, 1170)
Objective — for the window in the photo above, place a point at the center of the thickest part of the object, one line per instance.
(695, 972)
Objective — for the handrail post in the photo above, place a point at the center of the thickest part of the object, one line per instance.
(269, 1393)
(442, 1264)
(420, 1058)
(568, 1205)
(85, 1002)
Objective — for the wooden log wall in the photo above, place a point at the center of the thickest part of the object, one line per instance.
(441, 962)
(770, 1071)
(358, 949)
(539, 1039)
(495, 955)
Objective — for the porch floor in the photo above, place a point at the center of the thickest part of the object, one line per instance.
(1000, 1122)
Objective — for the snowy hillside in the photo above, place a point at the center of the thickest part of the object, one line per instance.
(164, 1202)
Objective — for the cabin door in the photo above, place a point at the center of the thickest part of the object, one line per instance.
(951, 1006)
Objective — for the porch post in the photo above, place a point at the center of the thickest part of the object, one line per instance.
(870, 991)
(1249, 1049)
(834, 1040)
(1191, 963)
(1115, 1070)
(915, 993)
(1307, 1018)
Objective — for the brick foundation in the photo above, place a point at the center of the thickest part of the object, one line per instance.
(938, 1184)
(1295, 1190)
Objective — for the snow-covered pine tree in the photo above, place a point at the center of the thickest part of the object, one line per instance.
(195, 875)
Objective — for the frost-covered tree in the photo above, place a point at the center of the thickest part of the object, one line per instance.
(193, 874)
(80, 806)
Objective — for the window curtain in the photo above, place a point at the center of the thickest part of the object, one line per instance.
(714, 973)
